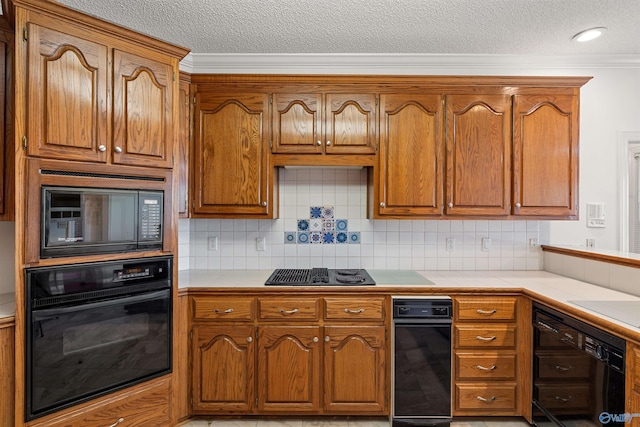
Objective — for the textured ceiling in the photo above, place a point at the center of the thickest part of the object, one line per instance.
(538, 27)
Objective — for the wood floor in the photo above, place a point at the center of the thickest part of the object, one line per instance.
(499, 422)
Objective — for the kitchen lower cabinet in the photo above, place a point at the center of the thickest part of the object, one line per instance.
(223, 369)
(491, 344)
(295, 354)
(144, 405)
(632, 379)
(7, 374)
(354, 368)
(289, 369)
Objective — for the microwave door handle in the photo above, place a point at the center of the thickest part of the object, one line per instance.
(53, 312)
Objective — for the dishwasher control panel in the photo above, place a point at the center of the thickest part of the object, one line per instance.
(420, 308)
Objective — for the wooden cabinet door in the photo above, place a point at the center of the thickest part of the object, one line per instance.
(7, 377)
(143, 96)
(184, 134)
(478, 147)
(289, 368)
(223, 361)
(230, 164)
(297, 127)
(411, 154)
(67, 94)
(354, 369)
(545, 153)
(350, 124)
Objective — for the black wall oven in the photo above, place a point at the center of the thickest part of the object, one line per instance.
(578, 372)
(95, 328)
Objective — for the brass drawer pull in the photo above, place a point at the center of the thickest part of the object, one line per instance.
(484, 399)
(478, 337)
(484, 368)
(348, 310)
(564, 399)
(294, 311)
(228, 310)
(563, 368)
(120, 420)
(488, 312)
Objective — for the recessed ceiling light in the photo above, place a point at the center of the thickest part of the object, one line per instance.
(590, 34)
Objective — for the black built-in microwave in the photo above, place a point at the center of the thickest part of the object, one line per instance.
(85, 221)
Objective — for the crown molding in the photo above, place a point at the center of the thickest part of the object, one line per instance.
(405, 64)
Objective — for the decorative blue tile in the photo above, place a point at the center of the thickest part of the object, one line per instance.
(315, 224)
(328, 225)
(303, 237)
(342, 225)
(341, 237)
(289, 237)
(328, 237)
(315, 237)
(354, 237)
(316, 212)
(327, 212)
(303, 225)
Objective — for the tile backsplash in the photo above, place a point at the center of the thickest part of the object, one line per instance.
(373, 244)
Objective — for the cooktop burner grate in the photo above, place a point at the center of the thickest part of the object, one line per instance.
(319, 277)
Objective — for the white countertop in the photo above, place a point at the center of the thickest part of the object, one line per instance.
(545, 284)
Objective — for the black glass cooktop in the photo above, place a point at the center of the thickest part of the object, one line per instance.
(319, 277)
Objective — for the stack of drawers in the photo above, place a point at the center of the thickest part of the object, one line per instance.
(485, 356)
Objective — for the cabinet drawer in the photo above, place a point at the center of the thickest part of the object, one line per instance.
(559, 366)
(223, 308)
(490, 397)
(146, 406)
(485, 336)
(354, 308)
(565, 396)
(485, 308)
(288, 308)
(485, 366)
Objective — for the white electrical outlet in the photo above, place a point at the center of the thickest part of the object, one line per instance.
(533, 242)
(486, 244)
(451, 244)
(591, 243)
(212, 243)
(261, 244)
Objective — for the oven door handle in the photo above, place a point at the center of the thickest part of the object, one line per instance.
(53, 312)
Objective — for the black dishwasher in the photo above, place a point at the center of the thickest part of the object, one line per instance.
(421, 361)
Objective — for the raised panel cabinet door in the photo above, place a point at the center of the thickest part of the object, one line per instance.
(478, 152)
(67, 95)
(289, 368)
(182, 163)
(143, 116)
(223, 360)
(350, 124)
(411, 155)
(230, 154)
(7, 376)
(354, 369)
(545, 153)
(297, 123)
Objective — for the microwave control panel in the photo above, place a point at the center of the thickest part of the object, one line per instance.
(150, 216)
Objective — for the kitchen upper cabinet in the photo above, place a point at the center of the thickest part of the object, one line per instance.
(289, 368)
(410, 173)
(478, 153)
(329, 123)
(223, 360)
(184, 145)
(232, 173)
(545, 153)
(91, 98)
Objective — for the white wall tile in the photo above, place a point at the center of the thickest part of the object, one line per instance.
(391, 244)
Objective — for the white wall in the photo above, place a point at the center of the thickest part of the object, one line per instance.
(7, 257)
